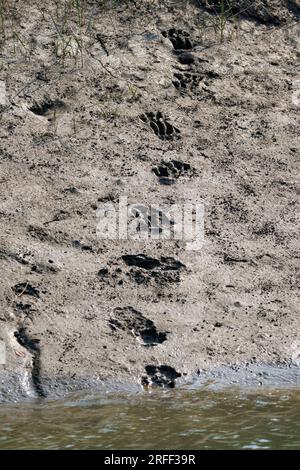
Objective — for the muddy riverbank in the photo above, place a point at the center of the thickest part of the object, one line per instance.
(243, 378)
(162, 103)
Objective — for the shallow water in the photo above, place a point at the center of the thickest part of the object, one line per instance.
(177, 419)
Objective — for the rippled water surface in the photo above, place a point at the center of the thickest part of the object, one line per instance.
(161, 420)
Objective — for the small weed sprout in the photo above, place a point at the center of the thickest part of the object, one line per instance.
(224, 19)
(133, 92)
(2, 18)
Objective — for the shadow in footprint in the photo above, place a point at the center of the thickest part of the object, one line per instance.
(134, 322)
(185, 81)
(148, 263)
(161, 376)
(161, 126)
(168, 172)
(24, 288)
(180, 39)
(145, 269)
(48, 108)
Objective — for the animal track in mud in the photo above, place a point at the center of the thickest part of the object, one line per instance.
(186, 58)
(48, 108)
(167, 172)
(143, 270)
(180, 39)
(24, 310)
(162, 271)
(161, 376)
(188, 80)
(185, 81)
(24, 288)
(148, 263)
(7, 255)
(161, 126)
(41, 234)
(131, 320)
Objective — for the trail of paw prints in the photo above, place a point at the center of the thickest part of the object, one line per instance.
(188, 79)
(161, 126)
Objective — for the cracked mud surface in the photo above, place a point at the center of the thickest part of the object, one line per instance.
(163, 114)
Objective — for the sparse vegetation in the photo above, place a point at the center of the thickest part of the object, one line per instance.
(71, 23)
(10, 30)
(223, 17)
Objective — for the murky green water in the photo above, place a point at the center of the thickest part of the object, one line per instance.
(161, 420)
